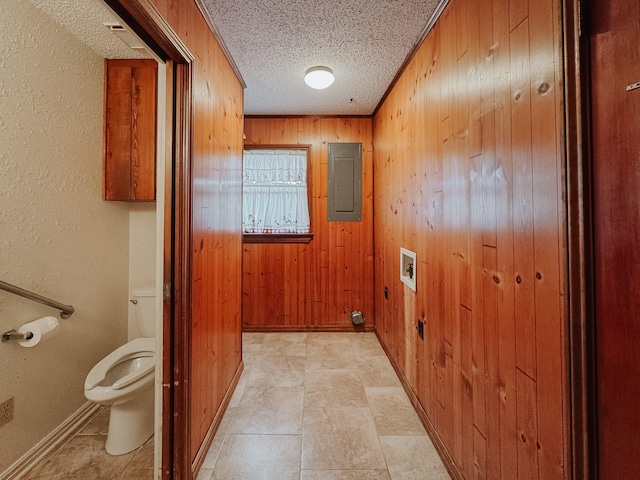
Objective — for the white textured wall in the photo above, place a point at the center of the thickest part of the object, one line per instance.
(57, 237)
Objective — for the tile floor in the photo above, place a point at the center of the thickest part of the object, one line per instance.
(84, 457)
(320, 406)
(316, 406)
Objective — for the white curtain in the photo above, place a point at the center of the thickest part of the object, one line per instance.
(275, 191)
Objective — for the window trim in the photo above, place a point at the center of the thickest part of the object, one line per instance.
(284, 237)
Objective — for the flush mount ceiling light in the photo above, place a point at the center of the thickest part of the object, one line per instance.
(318, 77)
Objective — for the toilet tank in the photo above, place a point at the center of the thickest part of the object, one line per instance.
(145, 311)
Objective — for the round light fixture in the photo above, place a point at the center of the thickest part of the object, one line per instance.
(318, 77)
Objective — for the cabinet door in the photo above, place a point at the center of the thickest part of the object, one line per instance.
(130, 130)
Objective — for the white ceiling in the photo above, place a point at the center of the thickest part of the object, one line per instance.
(273, 43)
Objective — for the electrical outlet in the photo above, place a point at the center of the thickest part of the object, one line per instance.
(6, 411)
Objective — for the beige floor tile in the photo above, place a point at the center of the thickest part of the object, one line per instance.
(269, 410)
(242, 383)
(327, 338)
(392, 411)
(259, 457)
(376, 371)
(132, 473)
(144, 456)
(277, 371)
(338, 389)
(98, 425)
(286, 344)
(205, 474)
(340, 438)
(344, 475)
(83, 457)
(326, 355)
(366, 345)
(413, 458)
(218, 440)
(324, 388)
(251, 338)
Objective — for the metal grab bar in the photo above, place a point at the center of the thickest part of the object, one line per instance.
(65, 310)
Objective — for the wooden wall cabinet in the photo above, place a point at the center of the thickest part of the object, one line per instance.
(130, 130)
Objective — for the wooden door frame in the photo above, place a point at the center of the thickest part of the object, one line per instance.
(143, 18)
(581, 364)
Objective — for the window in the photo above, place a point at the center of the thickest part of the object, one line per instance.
(275, 195)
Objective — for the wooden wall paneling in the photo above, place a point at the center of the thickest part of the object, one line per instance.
(479, 456)
(329, 273)
(487, 105)
(462, 34)
(522, 151)
(484, 226)
(528, 465)
(379, 225)
(548, 236)
(505, 243)
(477, 290)
(518, 10)
(492, 361)
(466, 388)
(463, 401)
(421, 198)
(434, 207)
(290, 277)
(217, 248)
(248, 277)
(474, 83)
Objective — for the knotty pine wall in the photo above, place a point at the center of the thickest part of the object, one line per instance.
(216, 156)
(468, 173)
(315, 285)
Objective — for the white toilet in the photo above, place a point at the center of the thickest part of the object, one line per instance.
(124, 380)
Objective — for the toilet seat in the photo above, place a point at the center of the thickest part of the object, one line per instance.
(137, 348)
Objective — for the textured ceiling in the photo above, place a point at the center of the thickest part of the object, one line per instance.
(85, 20)
(273, 42)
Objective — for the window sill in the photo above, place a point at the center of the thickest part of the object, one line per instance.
(277, 237)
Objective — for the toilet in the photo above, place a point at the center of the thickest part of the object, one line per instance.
(124, 380)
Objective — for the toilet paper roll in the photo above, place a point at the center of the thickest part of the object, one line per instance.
(41, 330)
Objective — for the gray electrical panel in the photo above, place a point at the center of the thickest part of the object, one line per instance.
(344, 187)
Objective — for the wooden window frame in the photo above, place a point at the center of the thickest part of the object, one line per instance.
(284, 237)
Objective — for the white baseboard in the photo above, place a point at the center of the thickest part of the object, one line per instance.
(41, 451)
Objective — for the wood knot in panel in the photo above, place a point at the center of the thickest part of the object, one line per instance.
(544, 88)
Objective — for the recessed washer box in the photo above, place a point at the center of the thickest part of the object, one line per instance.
(408, 268)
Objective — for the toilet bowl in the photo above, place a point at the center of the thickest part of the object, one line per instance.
(124, 380)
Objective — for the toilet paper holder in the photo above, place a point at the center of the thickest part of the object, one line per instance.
(14, 335)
